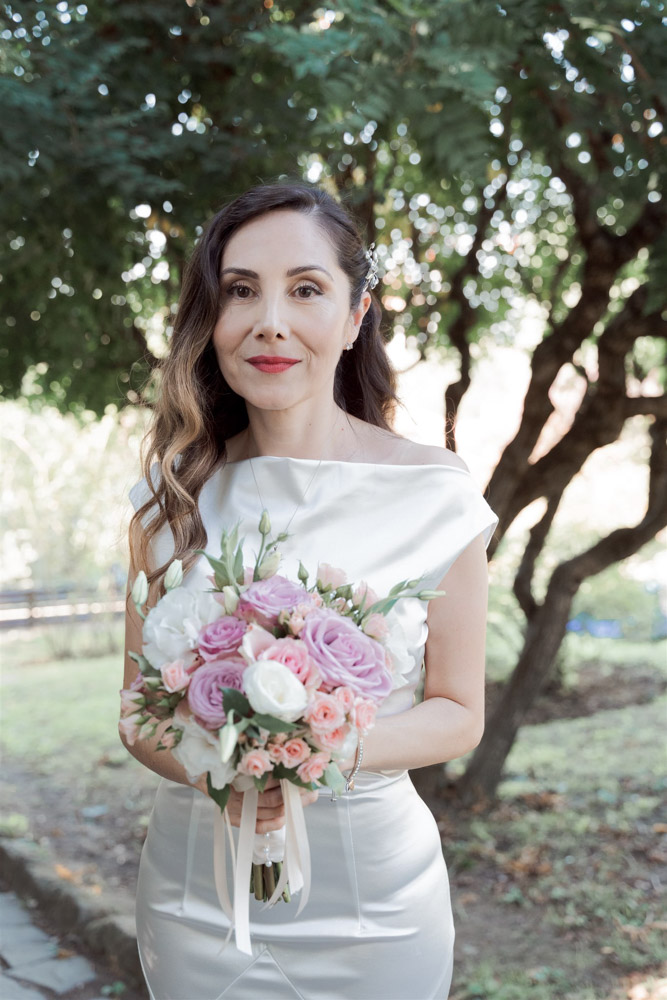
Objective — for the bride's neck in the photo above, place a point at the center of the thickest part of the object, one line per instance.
(325, 432)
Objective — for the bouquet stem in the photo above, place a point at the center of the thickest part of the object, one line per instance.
(264, 879)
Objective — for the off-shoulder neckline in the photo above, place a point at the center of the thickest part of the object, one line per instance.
(245, 463)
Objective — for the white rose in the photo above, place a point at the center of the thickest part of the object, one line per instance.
(172, 627)
(199, 752)
(396, 645)
(272, 689)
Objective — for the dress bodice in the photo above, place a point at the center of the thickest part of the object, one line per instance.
(379, 523)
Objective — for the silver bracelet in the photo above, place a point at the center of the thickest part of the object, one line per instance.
(349, 783)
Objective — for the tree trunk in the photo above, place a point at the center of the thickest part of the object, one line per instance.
(546, 629)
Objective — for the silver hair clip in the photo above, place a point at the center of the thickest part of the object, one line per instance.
(372, 277)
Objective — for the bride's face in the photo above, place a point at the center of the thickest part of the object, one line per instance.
(285, 316)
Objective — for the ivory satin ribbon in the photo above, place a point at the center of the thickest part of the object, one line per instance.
(296, 865)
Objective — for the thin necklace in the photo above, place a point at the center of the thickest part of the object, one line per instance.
(303, 497)
(301, 501)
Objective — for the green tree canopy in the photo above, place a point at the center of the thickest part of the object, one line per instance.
(496, 152)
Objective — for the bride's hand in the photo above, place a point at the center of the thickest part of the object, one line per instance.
(270, 806)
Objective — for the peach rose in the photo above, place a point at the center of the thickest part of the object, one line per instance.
(313, 768)
(345, 696)
(294, 655)
(174, 676)
(325, 713)
(329, 576)
(275, 752)
(334, 740)
(255, 763)
(130, 702)
(363, 715)
(295, 751)
(129, 727)
(364, 596)
(375, 626)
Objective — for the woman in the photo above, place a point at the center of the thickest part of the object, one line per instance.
(276, 394)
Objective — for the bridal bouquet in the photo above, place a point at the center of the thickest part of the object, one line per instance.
(263, 676)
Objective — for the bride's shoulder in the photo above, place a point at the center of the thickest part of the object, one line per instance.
(397, 450)
(413, 453)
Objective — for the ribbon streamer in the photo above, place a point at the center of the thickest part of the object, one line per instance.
(296, 866)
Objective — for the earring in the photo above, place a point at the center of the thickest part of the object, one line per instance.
(349, 345)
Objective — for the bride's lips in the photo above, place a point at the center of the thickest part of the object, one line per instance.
(272, 363)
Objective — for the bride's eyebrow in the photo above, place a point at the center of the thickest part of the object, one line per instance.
(246, 273)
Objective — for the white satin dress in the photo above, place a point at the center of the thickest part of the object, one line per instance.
(378, 924)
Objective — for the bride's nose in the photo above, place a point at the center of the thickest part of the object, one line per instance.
(271, 324)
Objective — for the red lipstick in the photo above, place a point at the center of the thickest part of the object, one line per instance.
(272, 363)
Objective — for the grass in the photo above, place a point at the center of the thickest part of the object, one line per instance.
(571, 854)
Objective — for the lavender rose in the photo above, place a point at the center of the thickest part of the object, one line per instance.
(346, 656)
(205, 690)
(221, 638)
(263, 601)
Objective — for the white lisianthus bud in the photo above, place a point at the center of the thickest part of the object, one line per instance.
(229, 735)
(140, 589)
(231, 600)
(269, 565)
(265, 523)
(174, 576)
(430, 595)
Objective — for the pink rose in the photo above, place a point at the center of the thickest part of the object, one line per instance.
(255, 641)
(325, 713)
(346, 655)
(376, 626)
(205, 691)
(295, 751)
(345, 696)
(221, 638)
(275, 752)
(364, 596)
(294, 655)
(168, 739)
(295, 623)
(129, 727)
(313, 768)
(329, 576)
(263, 601)
(255, 763)
(363, 715)
(332, 741)
(174, 676)
(131, 701)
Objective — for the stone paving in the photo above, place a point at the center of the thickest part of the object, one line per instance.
(37, 965)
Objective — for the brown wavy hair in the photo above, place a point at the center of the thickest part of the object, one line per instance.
(196, 411)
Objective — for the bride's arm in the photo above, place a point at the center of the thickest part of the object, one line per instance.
(450, 720)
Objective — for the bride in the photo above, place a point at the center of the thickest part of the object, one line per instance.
(277, 394)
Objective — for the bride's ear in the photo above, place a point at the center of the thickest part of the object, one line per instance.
(357, 315)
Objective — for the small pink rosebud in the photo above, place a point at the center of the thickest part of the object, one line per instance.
(376, 626)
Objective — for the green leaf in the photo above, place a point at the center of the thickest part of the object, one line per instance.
(260, 783)
(234, 701)
(219, 795)
(144, 666)
(272, 724)
(333, 778)
(238, 565)
(288, 773)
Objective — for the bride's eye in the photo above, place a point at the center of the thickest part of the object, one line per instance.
(238, 290)
(312, 289)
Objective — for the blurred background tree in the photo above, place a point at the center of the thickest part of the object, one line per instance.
(504, 157)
